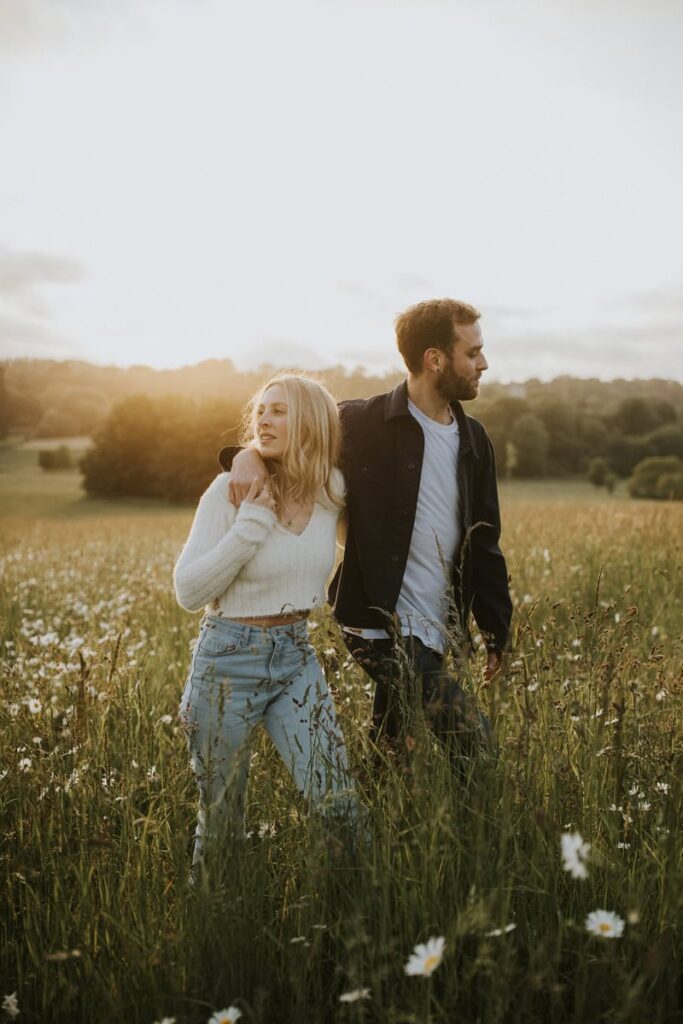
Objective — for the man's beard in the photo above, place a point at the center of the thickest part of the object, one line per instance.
(454, 388)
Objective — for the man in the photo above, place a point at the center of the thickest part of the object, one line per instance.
(423, 527)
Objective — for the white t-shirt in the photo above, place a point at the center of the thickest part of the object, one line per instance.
(422, 605)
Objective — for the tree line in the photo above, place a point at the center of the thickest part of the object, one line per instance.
(157, 432)
(166, 447)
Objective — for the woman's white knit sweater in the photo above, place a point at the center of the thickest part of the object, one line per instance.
(244, 563)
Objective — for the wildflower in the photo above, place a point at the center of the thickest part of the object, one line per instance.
(10, 1005)
(228, 1016)
(25, 764)
(34, 705)
(152, 774)
(574, 854)
(165, 1020)
(660, 696)
(605, 923)
(297, 940)
(662, 787)
(501, 931)
(354, 995)
(633, 917)
(426, 957)
(166, 719)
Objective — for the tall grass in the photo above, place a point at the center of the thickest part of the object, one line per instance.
(97, 802)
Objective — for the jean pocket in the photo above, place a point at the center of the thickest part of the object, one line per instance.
(215, 646)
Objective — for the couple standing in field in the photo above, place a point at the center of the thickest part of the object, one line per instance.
(411, 482)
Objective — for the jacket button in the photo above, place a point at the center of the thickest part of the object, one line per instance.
(411, 465)
(394, 558)
(363, 469)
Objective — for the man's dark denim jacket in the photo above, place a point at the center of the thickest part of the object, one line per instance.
(382, 451)
(383, 447)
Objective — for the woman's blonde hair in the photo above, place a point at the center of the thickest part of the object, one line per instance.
(313, 439)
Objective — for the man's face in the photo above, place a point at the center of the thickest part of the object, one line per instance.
(459, 372)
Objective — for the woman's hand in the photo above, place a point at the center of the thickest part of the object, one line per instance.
(260, 494)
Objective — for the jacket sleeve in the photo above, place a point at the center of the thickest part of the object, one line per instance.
(491, 604)
(221, 541)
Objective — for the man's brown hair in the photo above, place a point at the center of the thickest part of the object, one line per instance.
(430, 324)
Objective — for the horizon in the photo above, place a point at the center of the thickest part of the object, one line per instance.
(348, 370)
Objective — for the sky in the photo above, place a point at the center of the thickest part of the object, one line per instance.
(273, 182)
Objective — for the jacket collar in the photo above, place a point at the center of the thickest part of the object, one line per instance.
(396, 404)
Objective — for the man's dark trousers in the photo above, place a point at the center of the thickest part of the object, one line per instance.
(407, 673)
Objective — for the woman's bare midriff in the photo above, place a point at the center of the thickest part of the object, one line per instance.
(274, 620)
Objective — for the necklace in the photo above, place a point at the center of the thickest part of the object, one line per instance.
(287, 522)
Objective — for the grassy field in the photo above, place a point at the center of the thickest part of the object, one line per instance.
(97, 801)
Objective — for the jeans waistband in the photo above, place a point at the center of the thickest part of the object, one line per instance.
(243, 631)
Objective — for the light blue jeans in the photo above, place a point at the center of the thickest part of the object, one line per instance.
(244, 676)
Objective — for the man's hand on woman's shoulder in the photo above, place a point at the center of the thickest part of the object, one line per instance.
(247, 468)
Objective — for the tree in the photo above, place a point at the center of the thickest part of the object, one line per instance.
(4, 411)
(530, 441)
(667, 440)
(125, 448)
(637, 416)
(625, 453)
(163, 447)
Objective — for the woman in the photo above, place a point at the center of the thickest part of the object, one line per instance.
(258, 571)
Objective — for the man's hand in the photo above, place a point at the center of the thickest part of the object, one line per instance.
(247, 467)
(261, 495)
(493, 665)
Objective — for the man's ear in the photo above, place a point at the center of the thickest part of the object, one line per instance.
(432, 360)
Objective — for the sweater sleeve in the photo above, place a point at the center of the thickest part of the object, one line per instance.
(221, 541)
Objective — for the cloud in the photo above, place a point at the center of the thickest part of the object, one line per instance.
(30, 25)
(605, 352)
(37, 27)
(22, 337)
(22, 271)
(280, 352)
(23, 311)
(660, 301)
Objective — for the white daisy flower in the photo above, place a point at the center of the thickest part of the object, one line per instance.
(354, 995)
(228, 1016)
(426, 957)
(25, 764)
(501, 931)
(605, 923)
(10, 1005)
(574, 854)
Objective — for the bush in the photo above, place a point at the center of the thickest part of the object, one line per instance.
(645, 481)
(56, 458)
(598, 471)
(670, 486)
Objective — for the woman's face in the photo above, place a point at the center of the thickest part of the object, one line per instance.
(271, 422)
